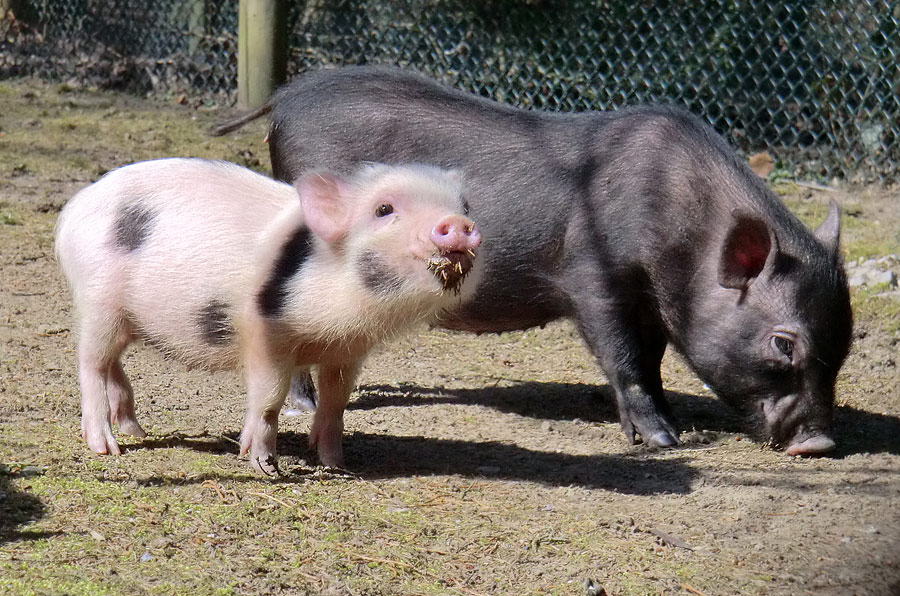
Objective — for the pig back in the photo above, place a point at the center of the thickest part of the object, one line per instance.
(522, 170)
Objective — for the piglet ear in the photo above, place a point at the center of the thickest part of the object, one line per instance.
(829, 231)
(744, 253)
(325, 207)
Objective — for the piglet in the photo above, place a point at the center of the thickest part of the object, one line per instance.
(222, 268)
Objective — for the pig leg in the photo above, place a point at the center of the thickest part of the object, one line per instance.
(121, 401)
(99, 348)
(629, 348)
(336, 382)
(267, 385)
(302, 394)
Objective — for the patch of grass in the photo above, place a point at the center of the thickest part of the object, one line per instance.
(52, 124)
(877, 309)
(8, 219)
(9, 584)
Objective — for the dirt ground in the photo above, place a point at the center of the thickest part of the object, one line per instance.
(480, 465)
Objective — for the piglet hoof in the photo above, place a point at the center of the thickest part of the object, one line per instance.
(267, 464)
(101, 441)
(330, 449)
(130, 426)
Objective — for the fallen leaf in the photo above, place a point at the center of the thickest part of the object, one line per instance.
(761, 164)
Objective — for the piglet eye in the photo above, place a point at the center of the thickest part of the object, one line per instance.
(783, 345)
(384, 209)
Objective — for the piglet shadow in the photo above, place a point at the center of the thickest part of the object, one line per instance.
(18, 508)
(200, 442)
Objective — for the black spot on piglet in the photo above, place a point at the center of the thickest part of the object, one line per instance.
(215, 328)
(132, 225)
(376, 276)
(294, 253)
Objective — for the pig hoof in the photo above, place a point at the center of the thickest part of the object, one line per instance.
(663, 439)
(299, 404)
(301, 395)
(268, 465)
(819, 445)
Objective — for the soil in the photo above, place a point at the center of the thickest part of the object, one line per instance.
(478, 464)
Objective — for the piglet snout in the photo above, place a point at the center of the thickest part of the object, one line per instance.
(456, 239)
(455, 233)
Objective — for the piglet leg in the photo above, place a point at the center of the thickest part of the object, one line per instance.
(267, 384)
(121, 401)
(336, 382)
(95, 424)
(100, 344)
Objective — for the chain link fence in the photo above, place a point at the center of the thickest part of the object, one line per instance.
(815, 84)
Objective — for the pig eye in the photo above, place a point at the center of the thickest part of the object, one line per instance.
(384, 209)
(465, 207)
(784, 345)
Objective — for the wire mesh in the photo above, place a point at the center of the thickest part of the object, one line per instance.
(815, 84)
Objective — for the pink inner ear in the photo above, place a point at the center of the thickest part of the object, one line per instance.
(752, 257)
(325, 210)
(745, 252)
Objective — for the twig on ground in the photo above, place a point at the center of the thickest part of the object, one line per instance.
(692, 589)
(279, 501)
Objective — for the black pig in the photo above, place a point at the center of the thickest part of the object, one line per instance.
(642, 225)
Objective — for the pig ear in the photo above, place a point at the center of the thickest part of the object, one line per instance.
(746, 249)
(325, 209)
(829, 231)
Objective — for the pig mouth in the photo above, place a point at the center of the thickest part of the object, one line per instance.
(451, 268)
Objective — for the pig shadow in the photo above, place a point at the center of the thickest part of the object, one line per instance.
(16, 509)
(858, 431)
(855, 431)
(552, 401)
(375, 456)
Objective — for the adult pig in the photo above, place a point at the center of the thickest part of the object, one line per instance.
(642, 225)
(222, 267)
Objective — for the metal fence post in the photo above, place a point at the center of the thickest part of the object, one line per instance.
(262, 49)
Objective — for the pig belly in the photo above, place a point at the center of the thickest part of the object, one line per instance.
(511, 305)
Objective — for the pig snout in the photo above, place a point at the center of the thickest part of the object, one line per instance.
(810, 444)
(798, 435)
(455, 233)
(456, 238)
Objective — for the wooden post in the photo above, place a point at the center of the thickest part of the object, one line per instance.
(6, 6)
(262, 49)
